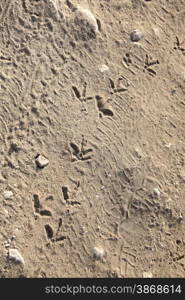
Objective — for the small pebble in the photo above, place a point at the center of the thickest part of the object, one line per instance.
(8, 195)
(41, 161)
(103, 68)
(89, 17)
(138, 152)
(168, 146)
(147, 274)
(136, 35)
(98, 252)
(157, 192)
(15, 256)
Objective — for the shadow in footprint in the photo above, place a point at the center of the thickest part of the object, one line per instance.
(104, 106)
(65, 192)
(49, 231)
(45, 212)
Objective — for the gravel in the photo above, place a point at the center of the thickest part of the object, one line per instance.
(103, 68)
(41, 161)
(15, 256)
(8, 195)
(98, 253)
(157, 192)
(88, 16)
(136, 35)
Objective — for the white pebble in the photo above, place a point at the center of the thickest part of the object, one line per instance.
(89, 17)
(168, 146)
(136, 35)
(98, 252)
(103, 68)
(15, 256)
(8, 195)
(42, 161)
(138, 152)
(147, 274)
(157, 192)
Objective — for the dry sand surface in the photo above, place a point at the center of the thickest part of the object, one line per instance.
(92, 138)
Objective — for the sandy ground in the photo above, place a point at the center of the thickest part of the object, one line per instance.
(107, 115)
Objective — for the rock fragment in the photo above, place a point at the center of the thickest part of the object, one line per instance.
(8, 195)
(86, 14)
(103, 68)
(147, 274)
(15, 256)
(98, 253)
(157, 192)
(41, 161)
(136, 35)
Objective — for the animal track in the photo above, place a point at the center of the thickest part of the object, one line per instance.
(49, 231)
(36, 203)
(49, 198)
(127, 59)
(57, 237)
(45, 212)
(51, 235)
(79, 153)
(38, 207)
(117, 87)
(148, 64)
(178, 45)
(104, 106)
(81, 95)
(65, 192)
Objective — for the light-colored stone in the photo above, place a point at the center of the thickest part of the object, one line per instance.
(15, 256)
(136, 35)
(41, 161)
(157, 32)
(157, 192)
(168, 146)
(138, 152)
(98, 252)
(103, 68)
(8, 195)
(88, 16)
(147, 274)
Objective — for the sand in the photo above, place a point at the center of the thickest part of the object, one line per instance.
(105, 116)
